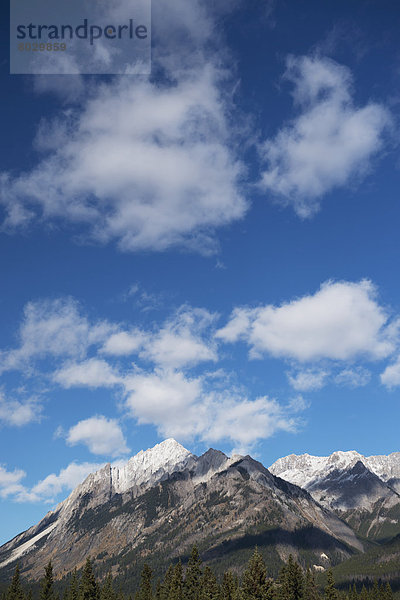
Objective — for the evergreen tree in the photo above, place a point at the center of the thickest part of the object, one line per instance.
(192, 588)
(145, 591)
(388, 592)
(209, 588)
(364, 593)
(374, 594)
(176, 589)
(310, 587)
(47, 584)
(255, 585)
(166, 584)
(157, 595)
(330, 590)
(293, 584)
(107, 590)
(15, 591)
(229, 586)
(282, 592)
(354, 594)
(72, 591)
(88, 589)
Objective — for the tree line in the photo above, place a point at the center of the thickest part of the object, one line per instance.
(198, 582)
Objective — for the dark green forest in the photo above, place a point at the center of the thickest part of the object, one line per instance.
(195, 582)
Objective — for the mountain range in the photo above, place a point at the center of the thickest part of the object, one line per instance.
(323, 510)
(364, 491)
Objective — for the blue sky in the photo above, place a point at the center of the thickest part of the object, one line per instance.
(209, 254)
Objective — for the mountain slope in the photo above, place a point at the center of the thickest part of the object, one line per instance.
(225, 505)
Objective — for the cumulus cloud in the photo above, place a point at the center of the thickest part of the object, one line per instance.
(17, 413)
(92, 373)
(331, 141)
(52, 328)
(308, 380)
(100, 435)
(341, 321)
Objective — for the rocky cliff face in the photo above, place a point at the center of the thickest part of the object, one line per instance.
(164, 500)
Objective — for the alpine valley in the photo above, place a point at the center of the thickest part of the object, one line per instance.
(341, 511)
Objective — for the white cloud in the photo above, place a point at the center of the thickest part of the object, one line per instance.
(162, 398)
(245, 422)
(149, 165)
(48, 489)
(341, 321)
(66, 480)
(100, 435)
(10, 482)
(184, 408)
(53, 328)
(145, 165)
(92, 373)
(329, 144)
(391, 375)
(181, 341)
(353, 377)
(123, 343)
(308, 380)
(17, 413)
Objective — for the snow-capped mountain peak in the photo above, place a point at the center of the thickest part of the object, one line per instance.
(165, 457)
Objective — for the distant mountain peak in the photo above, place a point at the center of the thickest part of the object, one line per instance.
(348, 481)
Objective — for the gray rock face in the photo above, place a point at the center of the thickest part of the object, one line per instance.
(166, 500)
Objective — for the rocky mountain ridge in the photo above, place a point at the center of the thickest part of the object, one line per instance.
(164, 500)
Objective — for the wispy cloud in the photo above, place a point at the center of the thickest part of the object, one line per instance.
(17, 413)
(54, 328)
(308, 380)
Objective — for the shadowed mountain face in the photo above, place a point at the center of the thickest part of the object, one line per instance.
(159, 508)
(348, 483)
